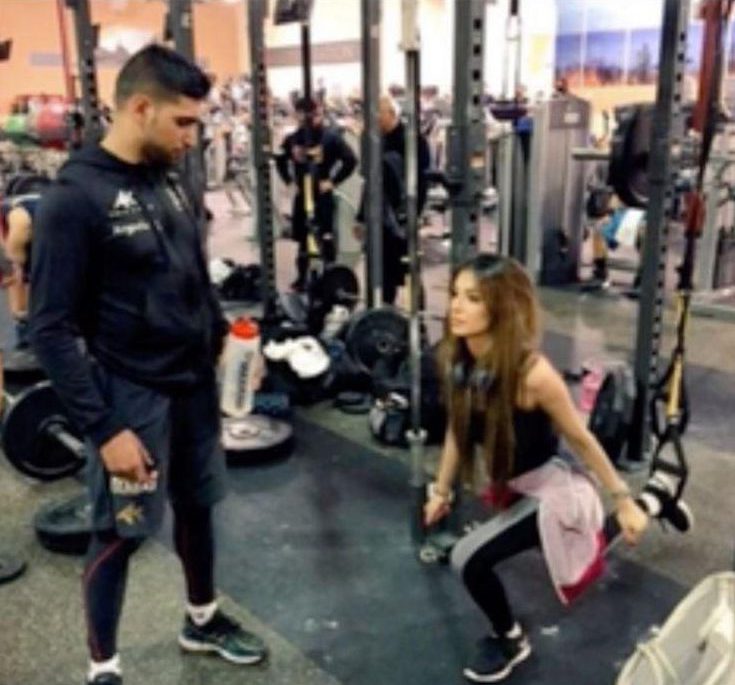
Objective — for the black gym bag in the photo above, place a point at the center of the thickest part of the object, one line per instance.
(612, 412)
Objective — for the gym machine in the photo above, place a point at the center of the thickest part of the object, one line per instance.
(715, 276)
(541, 188)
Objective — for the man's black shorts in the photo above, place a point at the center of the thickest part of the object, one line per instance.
(182, 435)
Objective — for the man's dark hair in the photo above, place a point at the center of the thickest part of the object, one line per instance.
(306, 105)
(161, 73)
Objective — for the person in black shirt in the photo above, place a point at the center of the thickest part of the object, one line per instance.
(504, 394)
(118, 260)
(320, 153)
(395, 241)
(16, 219)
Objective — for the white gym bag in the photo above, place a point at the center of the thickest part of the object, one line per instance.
(696, 645)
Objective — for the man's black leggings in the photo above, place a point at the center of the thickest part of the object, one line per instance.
(476, 556)
(106, 570)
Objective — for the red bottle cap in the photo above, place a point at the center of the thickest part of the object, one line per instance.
(245, 328)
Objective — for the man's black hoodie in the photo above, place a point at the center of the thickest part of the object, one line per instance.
(118, 261)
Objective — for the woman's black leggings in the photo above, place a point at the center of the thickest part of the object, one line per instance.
(106, 571)
(476, 555)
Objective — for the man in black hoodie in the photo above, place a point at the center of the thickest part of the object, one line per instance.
(320, 154)
(118, 261)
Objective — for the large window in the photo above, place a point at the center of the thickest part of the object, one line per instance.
(603, 42)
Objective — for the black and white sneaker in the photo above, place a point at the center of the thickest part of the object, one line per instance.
(496, 657)
(659, 500)
(224, 636)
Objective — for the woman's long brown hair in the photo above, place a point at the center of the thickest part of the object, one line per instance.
(510, 299)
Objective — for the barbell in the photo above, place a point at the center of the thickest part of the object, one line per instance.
(40, 441)
(37, 437)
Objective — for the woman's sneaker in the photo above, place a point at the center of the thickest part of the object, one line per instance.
(495, 658)
(224, 636)
(659, 500)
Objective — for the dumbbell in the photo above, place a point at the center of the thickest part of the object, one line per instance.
(37, 436)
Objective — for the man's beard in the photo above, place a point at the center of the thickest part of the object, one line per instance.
(157, 156)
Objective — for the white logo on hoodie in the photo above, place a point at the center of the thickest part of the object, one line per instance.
(124, 202)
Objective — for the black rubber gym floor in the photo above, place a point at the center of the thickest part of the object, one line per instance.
(318, 547)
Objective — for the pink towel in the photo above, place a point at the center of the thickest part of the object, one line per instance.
(570, 523)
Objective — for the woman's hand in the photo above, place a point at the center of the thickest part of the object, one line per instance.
(632, 519)
(435, 509)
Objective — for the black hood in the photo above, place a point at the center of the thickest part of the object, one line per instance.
(96, 156)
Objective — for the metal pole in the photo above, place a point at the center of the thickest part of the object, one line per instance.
(372, 152)
(86, 36)
(306, 58)
(416, 435)
(64, 45)
(180, 23)
(665, 137)
(466, 136)
(262, 152)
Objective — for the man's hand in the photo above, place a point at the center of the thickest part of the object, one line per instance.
(325, 186)
(124, 455)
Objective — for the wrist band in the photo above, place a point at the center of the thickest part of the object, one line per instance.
(621, 494)
(448, 497)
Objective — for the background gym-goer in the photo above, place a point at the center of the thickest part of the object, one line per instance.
(118, 260)
(6, 327)
(16, 219)
(395, 241)
(503, 394)
(313, 143)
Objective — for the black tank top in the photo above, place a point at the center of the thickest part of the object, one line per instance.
(536, 441)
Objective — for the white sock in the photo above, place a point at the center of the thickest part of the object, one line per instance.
(651, 503)
(515, 631)
(203, 613)
(109, 666)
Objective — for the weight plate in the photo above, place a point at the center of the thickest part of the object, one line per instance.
(10, 568)
(338, 285)
(377, 340)
(356, 409)
(25, 443)
(629, 152)
(351, 398)
(255, 438)
(65, 527)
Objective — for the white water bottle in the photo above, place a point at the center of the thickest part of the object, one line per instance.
(240, 368)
